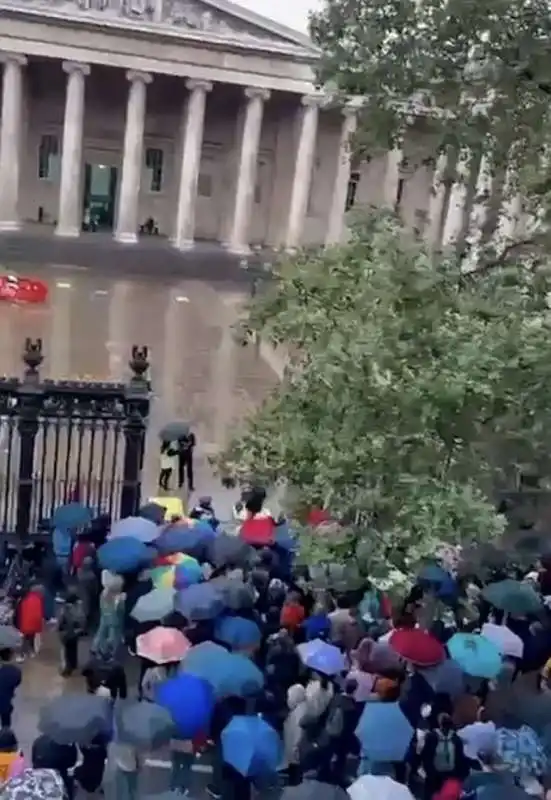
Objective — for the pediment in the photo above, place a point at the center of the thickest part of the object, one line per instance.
(216, 19)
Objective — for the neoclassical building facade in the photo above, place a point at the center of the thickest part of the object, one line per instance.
(195, 119)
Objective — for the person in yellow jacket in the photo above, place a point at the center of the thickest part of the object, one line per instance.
(12, 762)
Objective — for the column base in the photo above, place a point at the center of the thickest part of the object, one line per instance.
(71, 232)
(125, 237)
(238, 249)
(183, 244)
(9, 225)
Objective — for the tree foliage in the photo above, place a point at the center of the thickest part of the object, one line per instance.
(413, 392)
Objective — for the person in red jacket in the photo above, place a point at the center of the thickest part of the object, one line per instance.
(30, 620)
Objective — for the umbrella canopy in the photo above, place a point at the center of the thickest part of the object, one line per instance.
(135, 528)
(445, 678)
(71, 516)
(199, 602)
(35, 784)
(123, 555)
(384, 732)
(418, 646)
(76, 719)
(154, 512)
(507, 642)
(238, 633)
(182, 538)
(173, 431)
(143, 724)
(251, 746)
(229, 674)
(314, 790)
(190, 702)
(497, 791)
(322, 657)
(476, 655)
(258, 531)
(162, 645)
(521, 750)
(236, 594)
(154, 606)
(433, 573)
(10, 637)
(163, 577)
(368, 787)
(513, 597)
(381, 658)
(228, 550)
(187, 573)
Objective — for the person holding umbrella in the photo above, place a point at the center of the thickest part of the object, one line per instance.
(179, 433)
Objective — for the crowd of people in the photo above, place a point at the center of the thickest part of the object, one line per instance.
(444, 694)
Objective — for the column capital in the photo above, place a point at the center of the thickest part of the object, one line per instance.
(312, 100)
(256, 91)
(137, 76)
(196, 84)
(13, 58)
(75, 66)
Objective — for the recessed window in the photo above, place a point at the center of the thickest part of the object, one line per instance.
(48, 157)
(204, 185)
(154, 165)
(352, 190)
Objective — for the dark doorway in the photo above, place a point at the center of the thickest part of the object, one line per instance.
(100, 188)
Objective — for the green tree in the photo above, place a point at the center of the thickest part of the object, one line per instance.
(413, 391)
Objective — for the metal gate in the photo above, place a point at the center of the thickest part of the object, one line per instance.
(68, 440)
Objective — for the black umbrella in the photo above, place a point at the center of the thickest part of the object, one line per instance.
(145, 725)
(76, 718)
(228, 550)
(237, 595)
(154, 512)
(174, 431)
(314, 790)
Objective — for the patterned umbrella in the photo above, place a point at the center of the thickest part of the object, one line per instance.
(35, 784)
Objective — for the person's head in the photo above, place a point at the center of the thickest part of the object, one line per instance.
(71, 595)
(6, 655)
(8, 741)
(445, 723)
(88, 563)
(350, 687)
(111, 582)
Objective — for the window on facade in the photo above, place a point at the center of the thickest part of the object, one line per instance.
(204, 185)
(352, 190)
(154, 165)
(48, 157)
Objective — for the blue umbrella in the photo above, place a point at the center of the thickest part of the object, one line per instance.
(187, 574)
(190, 702)
(251, 746)
(284, 538)
(199, 602)
(445, 678)
(433, 573)
(384, 732)
(136, 528)
(124, 555)
(229, 674)
(153, 512)
(322, 657)
(238, 633)
(476, 655)
(182, 539)
(202, 660)
(71, 516)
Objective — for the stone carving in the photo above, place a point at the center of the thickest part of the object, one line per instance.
(197, 16)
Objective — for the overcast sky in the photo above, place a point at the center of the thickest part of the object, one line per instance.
(293, 13)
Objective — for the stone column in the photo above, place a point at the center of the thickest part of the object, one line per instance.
(11, 140)
(302, 173)
(510, 212)
(129, 193)
(394, 161)
(194, 123)
(454, 224)
(335, 223)
(69, 219)
(437, 201)
(247, 169)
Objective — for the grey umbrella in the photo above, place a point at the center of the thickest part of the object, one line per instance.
(154, 512)
(446, 678)
(174, 431)
(155, 605)
(199, 602)
(10, 638)
(225, 549)
(34, 784)
(76, 718)
(143, 724)
(236, 594)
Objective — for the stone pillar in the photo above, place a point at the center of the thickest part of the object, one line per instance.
(302, 173)
(11, 140)
(480, 210)
(335, 223)
(394, 161)
(193, 126)
(69, 221)
(510, 212)
(129, 194)
(437, 201)
(247, 170)
(454, 224)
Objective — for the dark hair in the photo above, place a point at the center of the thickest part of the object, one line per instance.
(350, 686)
(445, 723)
(6, 654)
(8, 740)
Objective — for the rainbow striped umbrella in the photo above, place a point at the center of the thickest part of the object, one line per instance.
(163, 577)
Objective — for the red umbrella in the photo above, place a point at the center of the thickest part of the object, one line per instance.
(418, 646)
(259, 531)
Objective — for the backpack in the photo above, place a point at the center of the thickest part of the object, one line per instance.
(445, 753)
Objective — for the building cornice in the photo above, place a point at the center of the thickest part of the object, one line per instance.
(246, 45)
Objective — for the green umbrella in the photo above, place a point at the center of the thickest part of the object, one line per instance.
(512, 597)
